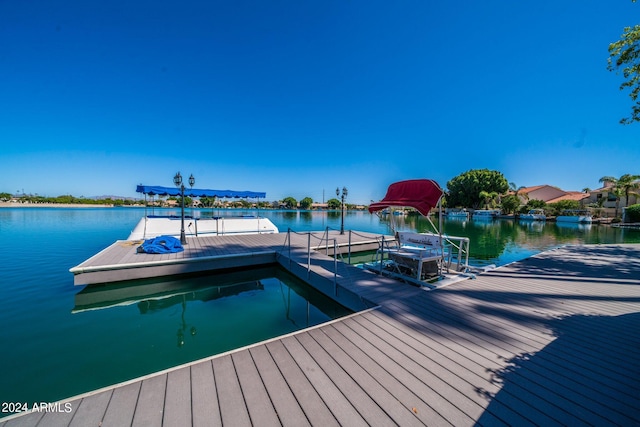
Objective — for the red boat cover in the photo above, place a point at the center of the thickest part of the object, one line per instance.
(422, 194)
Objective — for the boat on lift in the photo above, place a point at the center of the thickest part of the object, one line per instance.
(534, 215)
(485, 214)
(458, 214)
(429, 260)
(576, 216)
(151, 226)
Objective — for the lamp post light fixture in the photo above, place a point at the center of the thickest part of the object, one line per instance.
(342, 197)
(177, 180)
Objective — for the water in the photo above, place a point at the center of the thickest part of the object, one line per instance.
(504, 241)
(49, 353)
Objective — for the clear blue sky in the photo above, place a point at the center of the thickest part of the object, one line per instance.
(299, 97)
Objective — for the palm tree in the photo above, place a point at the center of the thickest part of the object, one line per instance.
(516, 191)
(489, 198)
(625, 185)
(630, 184)
(585, 190)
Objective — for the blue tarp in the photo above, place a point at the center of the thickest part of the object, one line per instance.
(161, 245)
(156, 190)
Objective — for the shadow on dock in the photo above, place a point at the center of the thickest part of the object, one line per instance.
(593, 376)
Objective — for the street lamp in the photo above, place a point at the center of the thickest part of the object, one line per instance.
(177, 180)
(344, 196)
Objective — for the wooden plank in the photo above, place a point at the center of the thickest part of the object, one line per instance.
(310, 401)
(204, 397)
(233, 408)
(26, 420)
(580, 343)
(486, 358)
(285, 403)
(510, 349)
(400, 411)
(459, 360)
(122, 405)
(261, 410)
(418, 391)
(60, 419)
(91, 410)
(357, 396)
(339, 405)
(177, 406)
(435, 386)
(150, 402)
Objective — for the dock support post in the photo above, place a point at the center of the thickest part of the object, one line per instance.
(349, 249)
(308, 255)
(381, 254)
(335, 268)
(326, 249)
(289, 239)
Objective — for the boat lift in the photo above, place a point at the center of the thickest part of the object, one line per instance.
(419, 258)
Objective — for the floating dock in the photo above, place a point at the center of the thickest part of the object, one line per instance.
(550, 340)
(121, 261)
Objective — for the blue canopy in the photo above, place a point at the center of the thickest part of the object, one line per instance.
(156, 190)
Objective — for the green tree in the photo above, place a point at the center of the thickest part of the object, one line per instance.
(208, 202)
(624, 55)
(334, 204)
(510, 204)
(633, 213)
(626, 185)
(535, 204)
(464, 190)
(306, 203)
(244, 203)
(558, 207)
(489, 198)
(290, 202)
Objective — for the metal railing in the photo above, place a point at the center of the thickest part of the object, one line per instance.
(324, 241)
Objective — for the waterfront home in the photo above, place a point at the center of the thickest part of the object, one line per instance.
(549, 194)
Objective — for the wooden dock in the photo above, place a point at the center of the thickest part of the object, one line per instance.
(551, 340)
(121, 261)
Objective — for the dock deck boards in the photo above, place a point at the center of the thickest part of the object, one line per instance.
(121, 261)
(551, 340)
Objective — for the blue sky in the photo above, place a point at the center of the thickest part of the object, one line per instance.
(296, 98)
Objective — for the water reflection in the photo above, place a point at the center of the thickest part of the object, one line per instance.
(306, 217)
(151, 295)
(249, 305)
(504, 240)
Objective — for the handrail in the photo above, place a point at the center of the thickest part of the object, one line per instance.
(325, 238)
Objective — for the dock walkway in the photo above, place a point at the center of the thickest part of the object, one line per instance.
(551, 340)
(121, 261)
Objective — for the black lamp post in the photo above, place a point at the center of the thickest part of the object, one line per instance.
(177, 180)
(344, 196)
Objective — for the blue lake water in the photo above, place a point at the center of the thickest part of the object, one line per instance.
(56, 342)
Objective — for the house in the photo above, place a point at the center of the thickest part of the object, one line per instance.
(606, 198)
(549, 194)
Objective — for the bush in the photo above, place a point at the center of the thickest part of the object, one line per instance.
(633, 213)
(558, 207)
